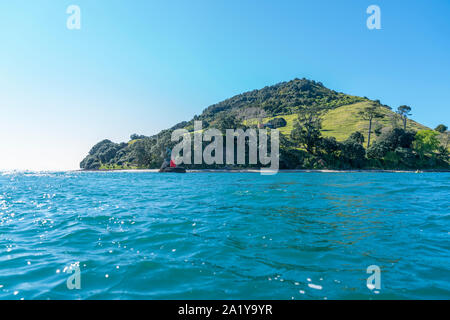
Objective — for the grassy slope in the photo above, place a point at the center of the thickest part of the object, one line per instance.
(343, 121)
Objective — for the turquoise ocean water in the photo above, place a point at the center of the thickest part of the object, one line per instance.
(139, 235)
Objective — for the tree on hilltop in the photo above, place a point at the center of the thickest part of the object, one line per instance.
(441, 128)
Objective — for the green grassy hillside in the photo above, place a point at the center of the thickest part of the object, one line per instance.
(343, 121)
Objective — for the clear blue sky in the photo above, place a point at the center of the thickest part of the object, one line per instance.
(142, 66)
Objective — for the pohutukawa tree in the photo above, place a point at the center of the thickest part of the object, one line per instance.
(373, 111)
(306, 130)
(441, 128)
(404, 112)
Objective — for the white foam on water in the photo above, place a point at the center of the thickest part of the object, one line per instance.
(314, 286)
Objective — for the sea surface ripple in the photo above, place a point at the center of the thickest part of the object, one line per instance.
(143, 235)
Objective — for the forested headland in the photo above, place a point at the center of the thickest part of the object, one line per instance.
(319, 129)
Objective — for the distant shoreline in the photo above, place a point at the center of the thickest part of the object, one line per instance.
(280, 171)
